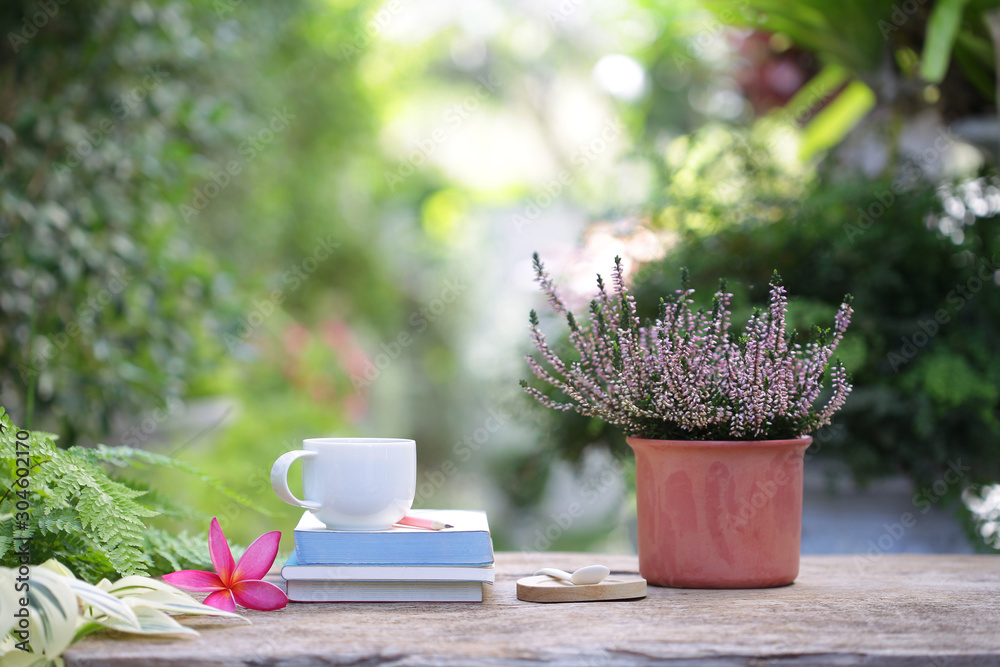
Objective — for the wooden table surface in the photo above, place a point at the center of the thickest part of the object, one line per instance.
(843, 610)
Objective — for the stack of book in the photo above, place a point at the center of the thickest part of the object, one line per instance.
(402, 564)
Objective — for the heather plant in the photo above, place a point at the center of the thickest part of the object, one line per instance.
(686, 375)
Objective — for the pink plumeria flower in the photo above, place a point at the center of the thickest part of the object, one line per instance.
(233, 583)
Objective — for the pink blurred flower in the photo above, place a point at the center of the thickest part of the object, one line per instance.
(296, 338)
(232, 582)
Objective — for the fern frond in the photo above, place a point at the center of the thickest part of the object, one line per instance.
(93, 523)
(169, 553)
(90, 519)
(124, 456)
(168, 508)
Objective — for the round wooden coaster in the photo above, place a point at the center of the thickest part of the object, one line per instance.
(543, 588)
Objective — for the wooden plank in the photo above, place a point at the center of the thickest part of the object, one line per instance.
(845, 610)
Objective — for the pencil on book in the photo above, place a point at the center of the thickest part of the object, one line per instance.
(416, 522)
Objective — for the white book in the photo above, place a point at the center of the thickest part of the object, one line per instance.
(384, 591)
(292, 571)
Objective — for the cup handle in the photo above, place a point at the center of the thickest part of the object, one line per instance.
(279, 478)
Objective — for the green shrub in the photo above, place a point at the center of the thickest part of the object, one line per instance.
(921, 348)
(922, 263)
(107, 305)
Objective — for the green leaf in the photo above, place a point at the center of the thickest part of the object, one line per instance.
(942, 29)
(8, 600)
(53, 612)
(133, 604)
(85, 628)
(975, 56)
(136, 585)
(176, 604)
(846, 33)
(55, 566)
(177, 552)
(816, 89)
(104, 603)
(123, 456)
(839, 117)
(152, 622)
(16, 658)
(92, 523)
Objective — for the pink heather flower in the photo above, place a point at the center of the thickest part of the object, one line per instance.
(233, 583)
(685, 375)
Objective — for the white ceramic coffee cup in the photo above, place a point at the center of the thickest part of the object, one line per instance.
(352, 483)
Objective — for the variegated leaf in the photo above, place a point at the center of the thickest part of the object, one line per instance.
(104, 603)
(8, 600)
(176, 604)
(53, 612)
(55, 566)
(136, 585)
(21, 659)
(155, 622)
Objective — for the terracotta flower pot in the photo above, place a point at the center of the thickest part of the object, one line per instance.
(719, 514)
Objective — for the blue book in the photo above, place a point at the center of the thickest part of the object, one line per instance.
(467, 543)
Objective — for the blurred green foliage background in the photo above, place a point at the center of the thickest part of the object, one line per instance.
(227, 226)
